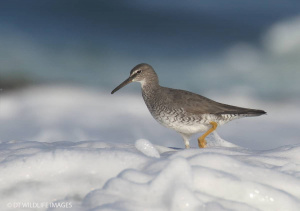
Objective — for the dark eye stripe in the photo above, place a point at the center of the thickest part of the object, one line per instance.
(139, 71)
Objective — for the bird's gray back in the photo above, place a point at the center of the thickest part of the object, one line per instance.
(197, 104)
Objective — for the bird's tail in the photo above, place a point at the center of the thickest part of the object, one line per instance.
(247, 112)
(252, 112)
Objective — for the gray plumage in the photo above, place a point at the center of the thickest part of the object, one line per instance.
(185, 112)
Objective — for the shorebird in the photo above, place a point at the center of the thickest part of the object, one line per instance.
(185, 112)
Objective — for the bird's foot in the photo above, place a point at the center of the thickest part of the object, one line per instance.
(202, 142)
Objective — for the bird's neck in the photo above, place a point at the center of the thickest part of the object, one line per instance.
(150, 83)
(150, 87)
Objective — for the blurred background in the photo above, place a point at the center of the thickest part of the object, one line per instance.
(57, 55)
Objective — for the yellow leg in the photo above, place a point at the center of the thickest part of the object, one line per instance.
(201, 141)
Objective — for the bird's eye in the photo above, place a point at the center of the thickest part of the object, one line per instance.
(139, 71)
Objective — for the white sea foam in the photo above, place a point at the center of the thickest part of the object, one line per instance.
(284, 37)
(95, 175)
(147, 148)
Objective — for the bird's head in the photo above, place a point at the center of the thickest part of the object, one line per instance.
(142, 73)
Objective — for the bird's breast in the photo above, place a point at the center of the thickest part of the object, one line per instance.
(177, 118)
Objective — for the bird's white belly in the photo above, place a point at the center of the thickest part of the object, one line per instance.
(188, 129)
(187, 126)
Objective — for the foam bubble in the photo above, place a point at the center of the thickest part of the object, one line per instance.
(146, 148)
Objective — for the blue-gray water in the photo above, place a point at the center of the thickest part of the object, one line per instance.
(224, 47)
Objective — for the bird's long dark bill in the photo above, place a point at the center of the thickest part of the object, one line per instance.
(127, 81)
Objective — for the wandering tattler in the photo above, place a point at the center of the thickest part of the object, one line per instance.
(185, 112)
